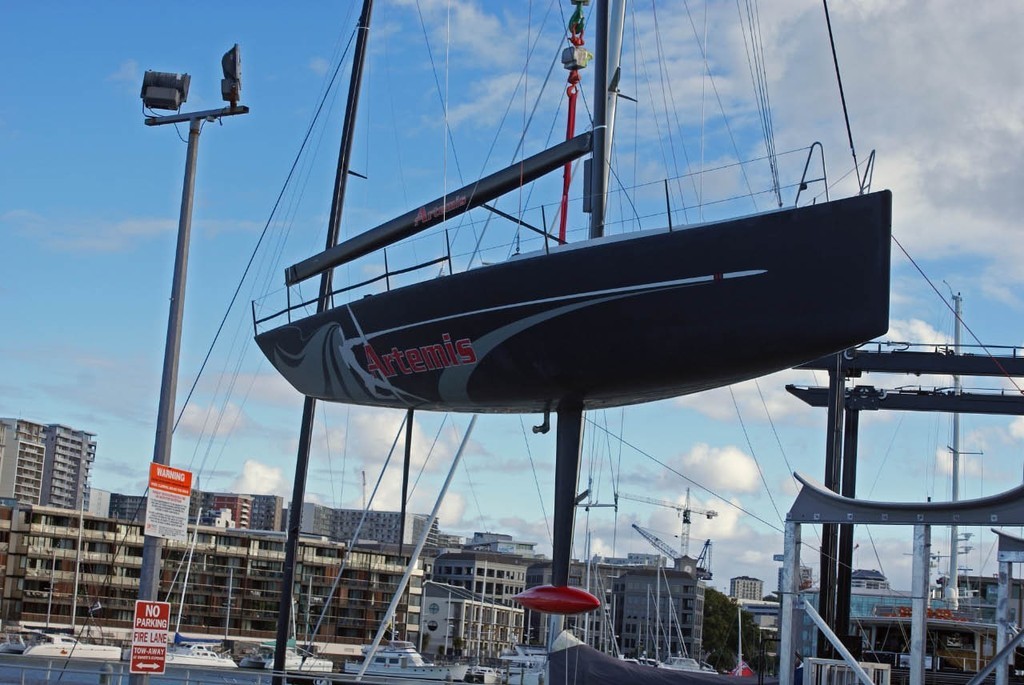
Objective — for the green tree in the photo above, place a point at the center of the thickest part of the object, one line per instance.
(721, 633)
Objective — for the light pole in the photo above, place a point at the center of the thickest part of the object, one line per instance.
(161, 90)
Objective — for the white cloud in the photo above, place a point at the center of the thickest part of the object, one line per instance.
(722, 469)
(260, 479)
(916, 331)
(757, 399)
(319, 66)
(127, 72)
(211, 422)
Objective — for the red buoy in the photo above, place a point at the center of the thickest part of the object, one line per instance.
(558, 600)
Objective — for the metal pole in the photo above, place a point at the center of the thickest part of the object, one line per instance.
(953, 586)
(790, 589)
(153, 546)
(599, 164)
(919, 602)
(1003, 617)
(53, 581)
(231, 582)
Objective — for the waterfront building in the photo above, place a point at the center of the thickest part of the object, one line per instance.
(22, 461)
(70, 454)
(385, 527)
(267, 512)
(459, 622)
(234, 581)
(99, 502)
(501, 544)
(745, 587)
(643, 596)
(127, 507)
(46, 463)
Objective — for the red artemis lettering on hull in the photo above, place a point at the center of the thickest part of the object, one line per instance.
(420, 359)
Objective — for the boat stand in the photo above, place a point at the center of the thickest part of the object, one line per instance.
(818, 505)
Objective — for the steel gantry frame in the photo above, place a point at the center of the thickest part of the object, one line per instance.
(844, 406)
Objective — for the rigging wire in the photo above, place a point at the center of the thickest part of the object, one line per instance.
(931, 284)
(721, 105)
(753, 454)
(263, 233)
(536, 480)
(842, 95)
(759, 80)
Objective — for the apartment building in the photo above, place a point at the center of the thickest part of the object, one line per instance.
(460, 623)
(385, 527)
(22, 461)
(234, 584)
(644, 596)
(70, 454)
(46, 463)
(745, 587)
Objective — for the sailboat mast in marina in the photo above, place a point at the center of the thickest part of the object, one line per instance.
(309, 403)
(609, 321)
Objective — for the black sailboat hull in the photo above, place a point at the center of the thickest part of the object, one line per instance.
(610, 322)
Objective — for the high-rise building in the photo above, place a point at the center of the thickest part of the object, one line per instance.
(24, 454)
(46, 464)
(267, 512)
(745, 587)
(70, 454)
(127, 507)
(376, 526)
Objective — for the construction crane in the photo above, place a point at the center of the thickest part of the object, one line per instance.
(658, 543)
(684, 511)
(703, 563)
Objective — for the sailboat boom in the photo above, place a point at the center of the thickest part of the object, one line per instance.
(448, 205)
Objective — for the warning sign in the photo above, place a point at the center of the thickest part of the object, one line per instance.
(167, 507)
(149, 636)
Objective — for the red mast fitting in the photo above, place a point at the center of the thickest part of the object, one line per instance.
(574, 58)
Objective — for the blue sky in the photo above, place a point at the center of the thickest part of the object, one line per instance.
(89, 201)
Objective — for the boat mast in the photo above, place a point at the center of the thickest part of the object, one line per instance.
(953, 586)
(309, 405)
(609, 50)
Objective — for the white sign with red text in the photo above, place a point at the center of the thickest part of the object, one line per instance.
(149, 637)
(167, 506)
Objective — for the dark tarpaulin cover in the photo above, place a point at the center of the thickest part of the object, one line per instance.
(582, 665)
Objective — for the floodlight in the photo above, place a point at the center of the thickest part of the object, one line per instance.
(231, 84)
(163, 90)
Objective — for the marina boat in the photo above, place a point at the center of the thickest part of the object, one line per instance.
(609, 321)
(399, 660)
(67, 647)
(197, 655)
(681, 663)
(15, 642)
(483, 674)
(262, 657)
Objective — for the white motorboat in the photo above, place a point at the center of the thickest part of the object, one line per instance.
(483, 674)
(15, 642)
(525, 664)
(197, 655)
(262, 657)
(681, 663)
(399, 659)
(67, 647)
